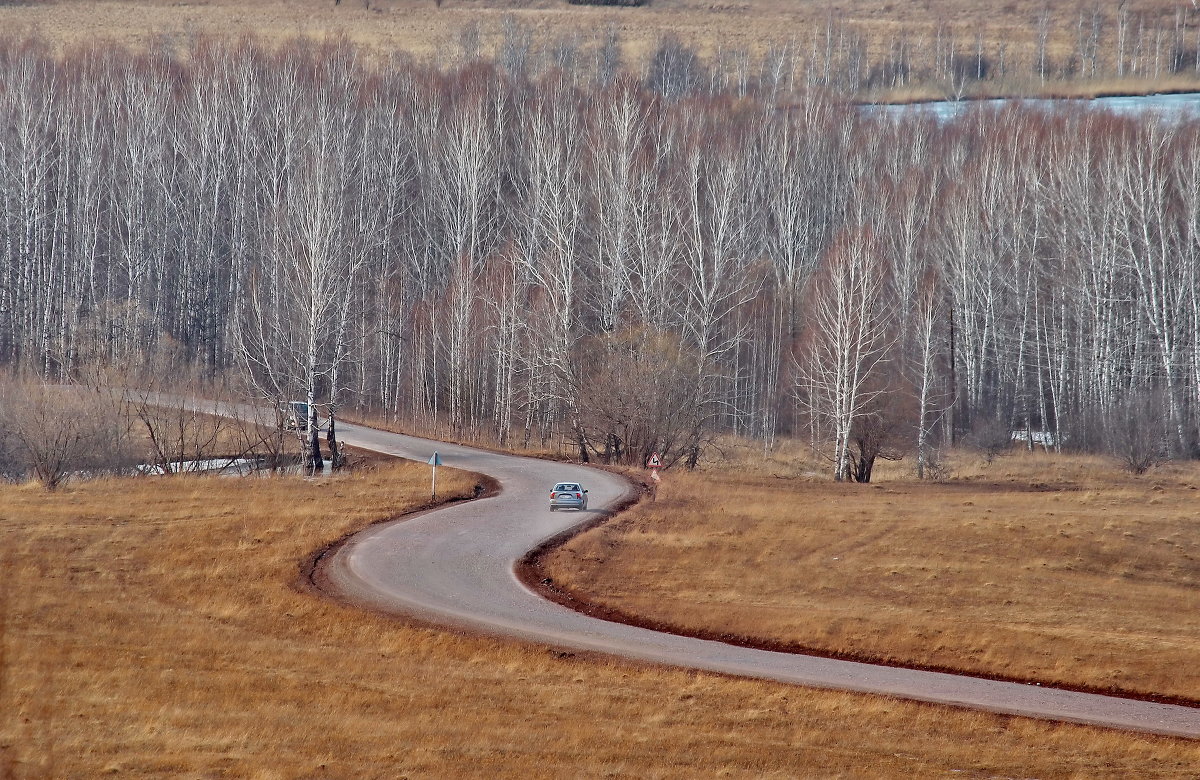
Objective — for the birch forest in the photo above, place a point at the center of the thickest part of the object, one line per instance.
(624, 262)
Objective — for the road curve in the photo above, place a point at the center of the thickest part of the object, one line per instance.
(456, 565)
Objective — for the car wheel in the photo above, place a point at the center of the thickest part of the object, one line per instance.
(553, 508)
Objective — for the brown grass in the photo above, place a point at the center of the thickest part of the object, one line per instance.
(155, 628)
(1063, 571)
(425, 29)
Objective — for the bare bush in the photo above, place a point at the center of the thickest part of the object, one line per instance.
(637, 395)
(1133, 433)
(54, 430)
(935, 467)
(12, 466)
(180, 437)
(990, 436)
(873, 436)
(187, 432)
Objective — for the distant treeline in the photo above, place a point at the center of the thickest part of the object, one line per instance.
(1095, 46)
(588, 259)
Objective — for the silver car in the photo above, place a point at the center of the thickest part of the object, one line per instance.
(568, 495)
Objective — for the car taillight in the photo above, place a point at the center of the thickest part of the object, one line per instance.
(579, 495)
(552, 495)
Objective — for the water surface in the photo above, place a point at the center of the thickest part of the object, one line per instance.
(1179, 106)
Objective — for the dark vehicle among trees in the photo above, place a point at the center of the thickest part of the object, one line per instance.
(296, 416)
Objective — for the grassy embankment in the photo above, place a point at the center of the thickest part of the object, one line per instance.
(1061, 570)
(426, 29)
(159, 628)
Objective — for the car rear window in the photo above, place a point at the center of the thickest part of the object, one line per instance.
(566, 486)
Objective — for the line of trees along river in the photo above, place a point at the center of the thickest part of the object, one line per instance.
(561, 257)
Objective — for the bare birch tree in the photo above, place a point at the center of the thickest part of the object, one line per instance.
(848, 338)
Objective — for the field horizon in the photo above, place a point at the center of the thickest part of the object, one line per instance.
(436, 29)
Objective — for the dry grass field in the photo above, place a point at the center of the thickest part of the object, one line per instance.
(1060, 570)
(426, 28)
(159, 628)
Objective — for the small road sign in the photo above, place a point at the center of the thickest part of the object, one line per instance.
(654, 462)
(654, 476)
(435, 461)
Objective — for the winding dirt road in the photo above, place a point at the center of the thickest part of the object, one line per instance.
(456, 565)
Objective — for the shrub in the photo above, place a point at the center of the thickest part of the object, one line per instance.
(53, 431)
(1134, 434)
(990, 436)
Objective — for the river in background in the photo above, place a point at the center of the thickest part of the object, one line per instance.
(1182, 106)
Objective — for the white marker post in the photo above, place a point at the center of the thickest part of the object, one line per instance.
(654, 463)
(435, 461)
